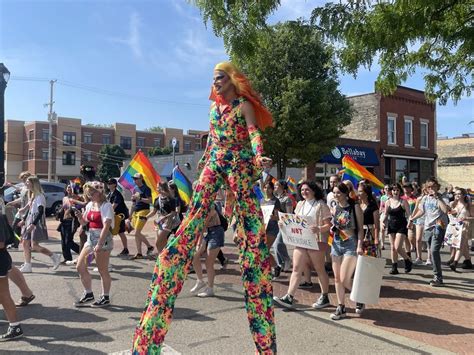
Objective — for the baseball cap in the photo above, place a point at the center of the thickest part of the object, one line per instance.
(112, 182)
(138, 176)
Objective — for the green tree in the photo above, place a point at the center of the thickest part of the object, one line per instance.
(436, 35)
(293, 72)
(159, 151)
(111, 158)
(157, 129)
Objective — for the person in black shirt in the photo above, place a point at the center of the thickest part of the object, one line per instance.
(115, 197)
(141, 207)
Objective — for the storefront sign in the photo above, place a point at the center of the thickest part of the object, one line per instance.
(362, 155)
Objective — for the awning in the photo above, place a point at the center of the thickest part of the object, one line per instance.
(363, 155)
(407, 157)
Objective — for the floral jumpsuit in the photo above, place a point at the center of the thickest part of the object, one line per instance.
(229, 159)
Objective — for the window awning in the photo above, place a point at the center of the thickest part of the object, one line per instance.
(363, 155)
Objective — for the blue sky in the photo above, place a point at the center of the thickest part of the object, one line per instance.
(145, 62)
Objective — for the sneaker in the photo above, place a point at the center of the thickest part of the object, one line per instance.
(466, 265)
(103, 301)
(360, 308)
(124, 252)
(224, 263)
(96, 269)
(199, 284)
(408, 266)
(305, 285)
(25, 301)
(85, 300)
(449, 262)
(56, 261)
(453, 265)
(340, 313)
(394, 270)
(12, 247)
(13, 332)
(71, 262)
(208, 292)
(276, 272)
(285, 301)
(418, 261)
(428, 262)
(436, 283)
(136, 257)
(26, 268)
(322, 302)
(149, 251)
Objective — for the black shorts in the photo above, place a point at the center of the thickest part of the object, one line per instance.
(122, 226)
(5, 263)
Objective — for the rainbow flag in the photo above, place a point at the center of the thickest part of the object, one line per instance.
(185, 188)
(140, 164)
(292, 188)
(355, 172)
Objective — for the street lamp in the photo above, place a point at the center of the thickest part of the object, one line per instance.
(4, 77)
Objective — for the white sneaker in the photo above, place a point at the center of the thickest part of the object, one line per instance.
(208, 292)
(96, 269)
(71, 262)
(428, 262)
(26, 268)
(56, 261)
(199, 284)
(418, 262)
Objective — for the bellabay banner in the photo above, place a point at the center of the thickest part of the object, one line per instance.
(295, 230)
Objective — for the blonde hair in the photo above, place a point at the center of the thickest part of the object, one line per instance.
(36, 188)
(24, 175)
(92, 187)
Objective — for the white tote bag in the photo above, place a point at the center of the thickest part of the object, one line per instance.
(367, 279)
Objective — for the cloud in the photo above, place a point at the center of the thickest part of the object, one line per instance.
(133, 39)
(195, 49)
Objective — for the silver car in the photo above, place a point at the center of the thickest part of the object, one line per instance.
(53, 191)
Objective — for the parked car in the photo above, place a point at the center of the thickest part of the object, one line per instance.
(53, 191)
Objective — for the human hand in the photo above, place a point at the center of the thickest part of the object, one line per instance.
(30, 228)
(360, 251)
(315, 229)
(21, 224)
(265, 162)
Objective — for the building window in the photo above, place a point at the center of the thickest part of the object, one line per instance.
(126, 142)
(423, 134)
(87, 138)
(140, 142)
(45, 135)
(87, 156)
(409, 132)
(414, 170)
(198, 146)
(106, 139)
(157, 142)
(388, 170)
(401, 169)
(392, 130)
(187, 146)
(45, 154)
(31, 154)
(69, 138)
(69, 158)
(31, 134)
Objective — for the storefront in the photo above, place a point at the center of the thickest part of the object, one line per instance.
(415, 168)
(331, 163)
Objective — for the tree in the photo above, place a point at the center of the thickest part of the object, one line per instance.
(157, 129)
(435, 35)
(293, 72)
(159, 151)
(111, 158)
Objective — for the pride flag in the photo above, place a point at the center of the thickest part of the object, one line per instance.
(140, 164)
(355, 172)
(185, 188)
(292, 188)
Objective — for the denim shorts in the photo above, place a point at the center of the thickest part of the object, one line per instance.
(93, 236)
(340, 247)
(214, 237)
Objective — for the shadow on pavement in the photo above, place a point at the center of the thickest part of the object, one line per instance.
(56, 314)
(190, 314)
(414, 322)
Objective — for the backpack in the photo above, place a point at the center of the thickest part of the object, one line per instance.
(224, 222)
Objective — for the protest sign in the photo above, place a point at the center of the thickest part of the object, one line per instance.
(295, 231)
(267, 213)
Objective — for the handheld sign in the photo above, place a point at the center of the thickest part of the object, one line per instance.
(267, 213)
(295, 231)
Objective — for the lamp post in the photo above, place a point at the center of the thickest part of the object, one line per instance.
(173, 144)
(4, 77)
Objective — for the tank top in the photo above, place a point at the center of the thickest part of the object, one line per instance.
(396, 214)
(95, 219)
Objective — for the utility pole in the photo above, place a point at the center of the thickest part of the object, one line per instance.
(51, 119)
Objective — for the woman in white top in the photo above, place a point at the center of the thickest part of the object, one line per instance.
(34, 225)
(312, 206)
(460, 210)
(99, 215)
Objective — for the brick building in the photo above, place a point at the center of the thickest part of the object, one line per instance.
(456, 161)
(393, 136)
(74, 144)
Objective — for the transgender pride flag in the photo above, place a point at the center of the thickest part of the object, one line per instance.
(140, 164)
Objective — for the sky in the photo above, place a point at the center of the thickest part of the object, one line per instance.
(145, 62)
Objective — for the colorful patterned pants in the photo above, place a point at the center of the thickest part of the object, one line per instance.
(174, 261)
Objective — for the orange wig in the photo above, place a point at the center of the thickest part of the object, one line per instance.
(243, 88)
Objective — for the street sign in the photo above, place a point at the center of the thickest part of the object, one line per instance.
(173, 142)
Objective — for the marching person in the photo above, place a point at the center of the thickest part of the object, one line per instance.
(460, 210)
(20, 203)
(115, 197)
(234, 157)
(68, 225)
(286, 204)
(99, 215)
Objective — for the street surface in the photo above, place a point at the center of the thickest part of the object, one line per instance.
(411, 318)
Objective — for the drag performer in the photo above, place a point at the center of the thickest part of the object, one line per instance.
(234, 158)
